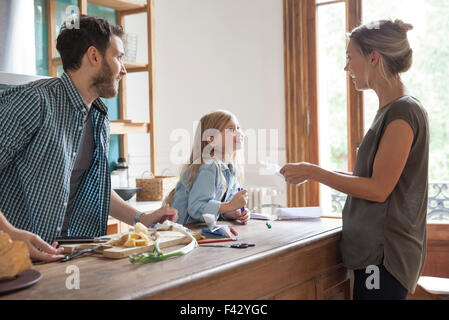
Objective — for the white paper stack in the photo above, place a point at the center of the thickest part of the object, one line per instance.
(260, 216)
(298, 213)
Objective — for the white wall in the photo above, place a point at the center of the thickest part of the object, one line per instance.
(211, 54)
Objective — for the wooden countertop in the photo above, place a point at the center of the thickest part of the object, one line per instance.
(102, 278)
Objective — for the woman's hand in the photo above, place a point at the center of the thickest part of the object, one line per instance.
(296, 173)
(159, 216)
(34, 243)
(243, 217)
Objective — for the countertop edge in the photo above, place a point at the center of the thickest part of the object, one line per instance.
(215, 270)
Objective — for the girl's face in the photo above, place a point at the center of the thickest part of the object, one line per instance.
(357, 66)
(231, 138)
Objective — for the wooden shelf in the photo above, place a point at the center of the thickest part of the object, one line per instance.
(136, 67)
(119, 5)
(123, 8)
(128, 126)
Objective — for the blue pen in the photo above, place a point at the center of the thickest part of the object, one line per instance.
(213, 232)
(243, 208)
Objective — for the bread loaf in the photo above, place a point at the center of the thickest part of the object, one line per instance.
(14, 256)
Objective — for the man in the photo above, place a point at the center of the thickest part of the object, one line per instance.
(54, 143)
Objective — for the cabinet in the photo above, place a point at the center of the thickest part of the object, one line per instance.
(122, 126)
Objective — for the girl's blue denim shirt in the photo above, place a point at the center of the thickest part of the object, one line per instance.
(205, 194)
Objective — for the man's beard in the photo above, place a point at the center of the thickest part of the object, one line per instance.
(104, 82)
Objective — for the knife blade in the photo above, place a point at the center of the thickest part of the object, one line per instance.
(70, 240)
(80, 252)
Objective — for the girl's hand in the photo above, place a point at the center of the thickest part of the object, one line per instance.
(295, 173)
(243, 217)
(34, 243)
(240, 199)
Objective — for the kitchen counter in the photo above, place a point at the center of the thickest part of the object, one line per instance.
(292, 260)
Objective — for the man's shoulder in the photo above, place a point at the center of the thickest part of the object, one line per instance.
(44, 86)
(34, 89)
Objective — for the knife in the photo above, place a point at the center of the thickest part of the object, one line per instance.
(70, 240)
(80, 252)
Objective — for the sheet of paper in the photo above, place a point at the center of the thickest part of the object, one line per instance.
(298, 213)
(166, 225)
(276, 169)
(261, 216)
(273, 168)
(211, 222)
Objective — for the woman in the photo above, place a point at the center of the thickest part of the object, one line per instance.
(384, 218)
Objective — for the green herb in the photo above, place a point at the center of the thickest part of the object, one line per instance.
(154, 256)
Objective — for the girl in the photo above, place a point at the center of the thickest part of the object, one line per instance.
(384, 218)
(209, 181)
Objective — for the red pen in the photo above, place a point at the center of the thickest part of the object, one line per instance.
(233, 231)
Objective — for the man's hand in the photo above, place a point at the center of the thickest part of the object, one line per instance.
(159, 216)
(34, 242)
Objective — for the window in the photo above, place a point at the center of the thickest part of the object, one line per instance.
(332, 97)
(426, 80)
(327, 116)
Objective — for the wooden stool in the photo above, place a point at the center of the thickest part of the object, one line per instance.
(438, 288)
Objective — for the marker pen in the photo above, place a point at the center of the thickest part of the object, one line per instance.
(243, 208)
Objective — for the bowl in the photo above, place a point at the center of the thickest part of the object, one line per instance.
(126, 193)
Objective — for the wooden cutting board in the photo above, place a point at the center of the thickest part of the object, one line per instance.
(168, 239)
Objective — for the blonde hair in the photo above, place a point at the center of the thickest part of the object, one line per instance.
(389, 39)
(202, 152)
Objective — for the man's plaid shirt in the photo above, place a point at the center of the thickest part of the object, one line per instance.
(41, 124)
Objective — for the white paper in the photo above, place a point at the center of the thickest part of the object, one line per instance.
(211, 222)
(276, 169)
(261, 216)
(273, 168)
(167, 224)
(298, 213)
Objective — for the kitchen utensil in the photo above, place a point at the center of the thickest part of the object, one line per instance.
(236, 246)
(126, 193)
(80, 252)
(22, 280)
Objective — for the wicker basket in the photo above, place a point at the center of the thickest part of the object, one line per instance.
(155, 188)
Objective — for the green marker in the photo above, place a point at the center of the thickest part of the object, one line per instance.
(268, 225)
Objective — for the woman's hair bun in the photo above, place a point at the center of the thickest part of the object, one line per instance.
(404, 26)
